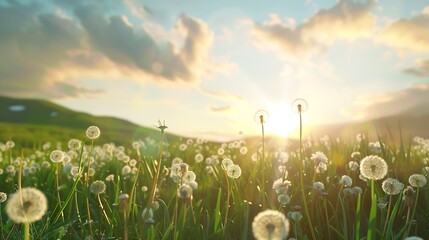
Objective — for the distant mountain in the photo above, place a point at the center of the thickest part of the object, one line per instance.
(34, 120)
(409, 123)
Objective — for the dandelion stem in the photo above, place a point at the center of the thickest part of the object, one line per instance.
(102, 209)
(387, 215)
(262, 163)
(326, 216)
(27, 231)
(227, 202)
(124, 215)
(155, 181)
(301, 176)
(58, 190)
(410, 220)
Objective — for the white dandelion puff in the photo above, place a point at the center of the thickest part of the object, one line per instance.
(57, 156)
(3, 197)
(98, 187)
(27, 205)
(93, 132)
(270, 224)
(233, 171)
(392, 186)
(346, 181)
(373, 167)
(417, 180)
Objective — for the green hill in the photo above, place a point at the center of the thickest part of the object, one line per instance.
(29, 121)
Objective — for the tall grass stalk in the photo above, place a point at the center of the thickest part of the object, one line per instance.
(301, 176)
(410, 220)
(387, 215)
(262, 162)
(227, 201)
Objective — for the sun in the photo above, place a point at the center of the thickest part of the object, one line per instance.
(282, 121)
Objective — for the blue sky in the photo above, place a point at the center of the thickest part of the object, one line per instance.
(207, 66)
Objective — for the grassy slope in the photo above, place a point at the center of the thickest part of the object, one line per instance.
(35, 124)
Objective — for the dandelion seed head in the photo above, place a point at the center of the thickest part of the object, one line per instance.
(110, 178)
(98, 187)
(189, 176)
(57, 156)
(184, 191)
(417, 180)
(357, 190)
(226, 163)
(74, 144)
(355, 155)
(3, 197)
(126, 170)
(233, 171)
(318, 186)
(243, 150)
(295, 216)
(346, 181)
(281, 186)
(354, 166)
(270, 224)
(93, 132)
(199, 158)
(392, 186)
(10, 144)
(123, 196)
(283, 199)
(319, 157)
(194, 185)
(27, 205)
(373, 167)
(176, 160)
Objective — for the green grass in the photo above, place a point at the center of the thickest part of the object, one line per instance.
(335, 215)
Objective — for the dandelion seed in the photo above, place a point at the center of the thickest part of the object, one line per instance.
(3, 197)
(392, 186)
(270, 224)
(373, 167)
(417, 180)
(98, 187)
(233, 171)
(346, 181)
(93, 132)
(27, 205)
(57, 156)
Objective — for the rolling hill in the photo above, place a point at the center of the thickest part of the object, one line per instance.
(30, 121)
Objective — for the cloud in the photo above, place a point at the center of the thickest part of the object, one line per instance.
(391, 103)
(347, 20)
(420, 70)
(220, 94)
(224, 108)
(408, 34)
(45, 53)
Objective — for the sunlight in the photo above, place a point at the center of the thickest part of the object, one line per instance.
(282, 120)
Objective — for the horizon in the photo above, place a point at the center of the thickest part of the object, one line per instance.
(206, 68)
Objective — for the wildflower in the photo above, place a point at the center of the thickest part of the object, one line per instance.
(233, 171)
(3, 197)
(357, 190)
(126, 170)
(226, 163)
(319, 157)
(281, 186)
(199, 158)
(189, 176)
(93, 132)
(184, 191)
(243, 150)
(27, 205)
(319, 186)
(346, 181)
(417, 180)
(57, 156)
(283, 198)
(98, 187)
(373, 167)
(74, 144)
(270, 224)
(110, 178)
(353, 166)
(392, 186)
(10, 144)
(295, 216)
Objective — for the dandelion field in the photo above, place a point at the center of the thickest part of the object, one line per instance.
(195, 189)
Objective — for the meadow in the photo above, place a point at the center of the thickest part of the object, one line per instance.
(153, 188)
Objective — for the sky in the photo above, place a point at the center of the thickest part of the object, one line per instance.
(206, 67)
